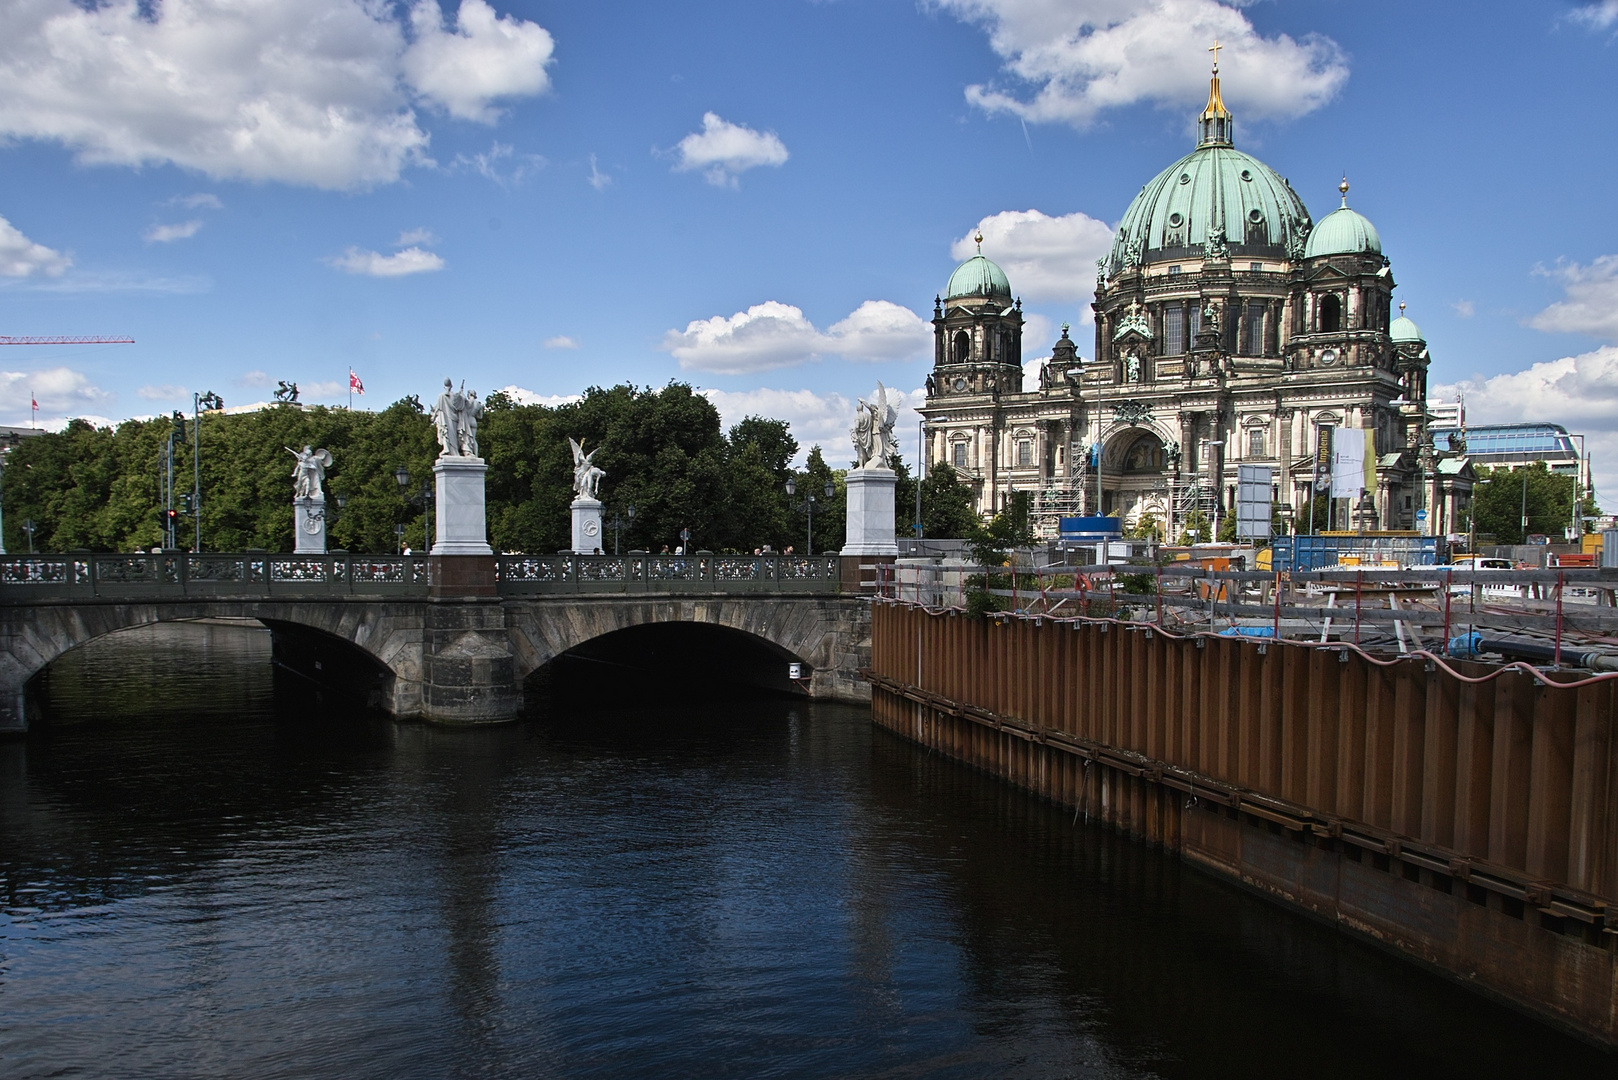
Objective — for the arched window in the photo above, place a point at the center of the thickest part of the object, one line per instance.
(1331, 314)
(963, 347)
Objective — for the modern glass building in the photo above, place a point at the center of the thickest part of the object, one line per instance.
(1514, 446)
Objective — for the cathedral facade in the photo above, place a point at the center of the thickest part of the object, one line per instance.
(1230, 329)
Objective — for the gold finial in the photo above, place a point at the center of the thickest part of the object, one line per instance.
(1214, 48)
(979, 241)
(1343, 187)
(1401, 309)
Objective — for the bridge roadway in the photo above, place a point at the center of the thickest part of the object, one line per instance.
(447, 639)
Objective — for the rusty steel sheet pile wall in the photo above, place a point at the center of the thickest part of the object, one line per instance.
(1462, 814)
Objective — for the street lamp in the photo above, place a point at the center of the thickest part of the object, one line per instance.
(28, 527)
(424, 500)
(620, 522)
(212, 402)
(398, 536)
(1216, 481)
(808, 507)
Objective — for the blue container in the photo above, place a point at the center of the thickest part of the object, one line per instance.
(1303, 553)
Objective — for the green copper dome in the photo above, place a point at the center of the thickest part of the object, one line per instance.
(1214, 202)
(1211, 190)
(1403, 330)
(1343, 232)
(978, 279)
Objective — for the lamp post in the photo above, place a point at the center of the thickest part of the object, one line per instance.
(28, 527)
(3, 452)
(620, 522)
(424, 500)
(1216, 481)
(211, 401)
(398, 536)
(808, 507)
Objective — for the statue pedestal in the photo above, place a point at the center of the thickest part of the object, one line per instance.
(586, 526)
(309, 526)
(463, 527)
(870, 512)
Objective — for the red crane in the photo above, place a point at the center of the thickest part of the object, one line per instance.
(8, 340)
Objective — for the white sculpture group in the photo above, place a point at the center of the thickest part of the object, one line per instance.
(310, 472)
(874, 444)
(456, 414)
(586, 477)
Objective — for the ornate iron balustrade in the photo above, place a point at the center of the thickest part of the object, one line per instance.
(539, 575)
(28, 579)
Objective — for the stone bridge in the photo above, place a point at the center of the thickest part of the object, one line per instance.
(450, 639)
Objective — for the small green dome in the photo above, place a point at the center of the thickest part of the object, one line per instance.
(978, 279)
(1403, 330)
(1343, 232)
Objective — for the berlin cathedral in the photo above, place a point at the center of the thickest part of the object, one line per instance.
(1230, 329)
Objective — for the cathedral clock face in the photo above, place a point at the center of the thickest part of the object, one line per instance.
(960, 382)
(1329, 357)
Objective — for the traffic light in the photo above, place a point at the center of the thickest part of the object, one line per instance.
(179, 426)
(185, 502)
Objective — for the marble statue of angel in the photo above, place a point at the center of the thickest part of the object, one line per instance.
(586, 477)
(310, 472)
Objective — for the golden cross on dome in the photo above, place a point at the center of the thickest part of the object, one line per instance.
(1214, 48)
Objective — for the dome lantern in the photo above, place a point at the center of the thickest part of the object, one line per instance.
(1215, 127)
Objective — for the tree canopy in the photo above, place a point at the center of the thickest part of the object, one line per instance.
(664, 451)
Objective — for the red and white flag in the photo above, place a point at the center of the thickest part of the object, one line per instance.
(354, 384)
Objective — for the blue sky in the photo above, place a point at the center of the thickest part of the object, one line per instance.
(760, 197)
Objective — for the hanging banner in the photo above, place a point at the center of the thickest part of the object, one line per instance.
(1348, 463)
(1323, 458)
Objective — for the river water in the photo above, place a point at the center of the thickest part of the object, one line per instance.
(203, 875)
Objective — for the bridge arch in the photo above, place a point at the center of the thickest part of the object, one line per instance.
(389, 640)
(823, 634)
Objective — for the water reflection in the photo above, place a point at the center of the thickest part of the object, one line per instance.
(206, 873)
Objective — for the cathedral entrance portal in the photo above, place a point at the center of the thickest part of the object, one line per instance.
(1135, 477)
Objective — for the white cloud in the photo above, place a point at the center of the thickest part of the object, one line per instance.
(1465, 308)
(61, 393)
(115, 281)
(1591, 306)
(880, 331)
(412, 260)
(21, 257)
(164, 234)
(1044, 257)
(529, 397)
(1600, 15)
(723, 151)
(1084, 57)
(167, 392)
(487, 164)
(254, 378)
(411, 237)
(819, 419)
(1578, 392)
(202, 200)
(561, 341)
(314, 92)
(598, 179)
(481, 59)
(334, 388)
(774, 335)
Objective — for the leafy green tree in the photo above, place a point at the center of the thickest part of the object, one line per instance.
(831, 514)
(1196, 528)
(946, 504)
(1501, 495)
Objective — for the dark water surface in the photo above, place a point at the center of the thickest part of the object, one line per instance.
(202, 878)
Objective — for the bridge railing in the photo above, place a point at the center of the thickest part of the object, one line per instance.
(27, 578)
(168, 575)
(540, 575)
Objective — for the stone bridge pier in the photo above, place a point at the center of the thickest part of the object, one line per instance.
(449, 659)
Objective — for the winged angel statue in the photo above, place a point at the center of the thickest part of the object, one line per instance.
(874, 444)
(586, 477)
(310, 472)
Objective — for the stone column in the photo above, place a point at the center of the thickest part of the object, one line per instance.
(587, 526)
(870, 512)
(463, 527)
(309, 526)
